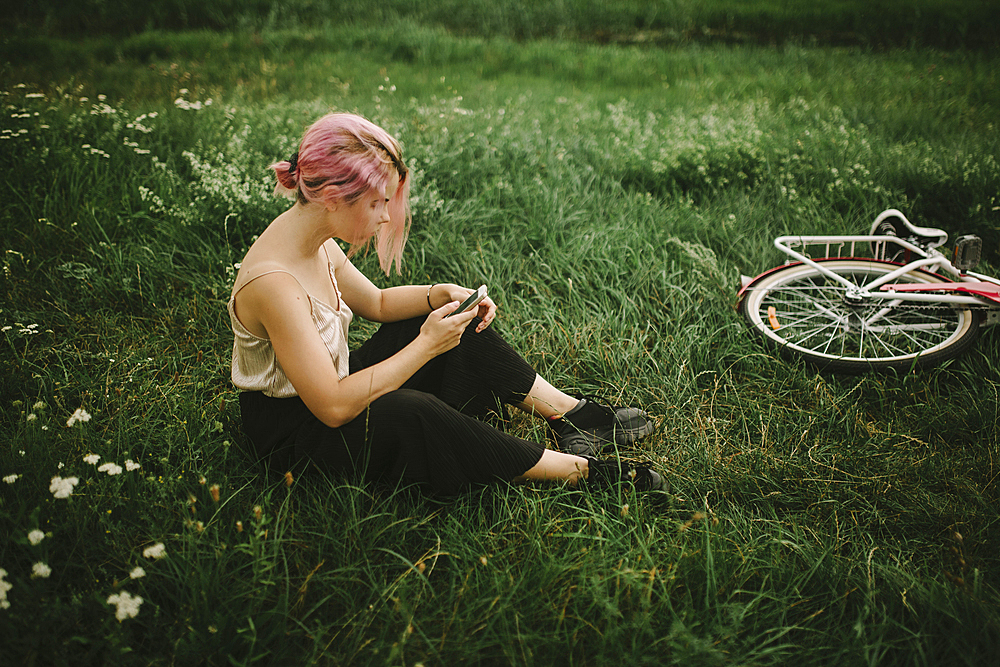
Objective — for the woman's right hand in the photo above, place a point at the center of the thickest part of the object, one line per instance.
(440, 333)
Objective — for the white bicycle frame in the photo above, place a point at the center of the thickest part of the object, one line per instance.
(797, 248)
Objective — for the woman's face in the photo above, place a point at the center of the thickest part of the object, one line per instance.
(370, 211)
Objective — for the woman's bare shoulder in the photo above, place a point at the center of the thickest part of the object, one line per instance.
(337, 255)
(265, 293)
(263, 257)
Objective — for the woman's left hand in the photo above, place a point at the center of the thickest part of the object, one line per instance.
(487, 310)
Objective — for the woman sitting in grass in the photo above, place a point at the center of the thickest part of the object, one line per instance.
(407, 404)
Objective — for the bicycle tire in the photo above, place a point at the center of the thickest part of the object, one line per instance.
(811, 319)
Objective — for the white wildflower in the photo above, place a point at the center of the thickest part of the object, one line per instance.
(137, 573)
(4, 587)
(126, 605)
(110, 468)
(35, 537)
(92, 459)
(40, 405)
(32, 417)
(40, 571)
(80, 415)
(155, 552)
(10, 479)
(131, 465)
(63, 487)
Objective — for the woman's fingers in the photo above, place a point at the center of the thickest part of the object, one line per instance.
(446, 332)
(487, 312)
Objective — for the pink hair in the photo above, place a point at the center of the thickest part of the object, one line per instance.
(340, 159)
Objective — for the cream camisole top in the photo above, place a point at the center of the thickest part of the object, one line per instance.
(255, 367)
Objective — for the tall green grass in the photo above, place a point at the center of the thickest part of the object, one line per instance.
(610, 197)
(946, 24)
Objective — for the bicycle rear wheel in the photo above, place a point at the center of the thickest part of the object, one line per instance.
(799, 310)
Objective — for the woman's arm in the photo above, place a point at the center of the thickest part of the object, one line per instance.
(398, 303)
(281, 306)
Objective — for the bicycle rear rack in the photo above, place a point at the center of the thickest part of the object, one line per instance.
(883, 248)
(808, 249)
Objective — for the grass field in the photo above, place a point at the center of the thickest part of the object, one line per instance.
(610, 195)
(946, 24)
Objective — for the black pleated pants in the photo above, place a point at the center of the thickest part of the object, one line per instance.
(430, 431)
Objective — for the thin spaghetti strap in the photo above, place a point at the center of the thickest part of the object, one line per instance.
(235, 292)
(333, 277)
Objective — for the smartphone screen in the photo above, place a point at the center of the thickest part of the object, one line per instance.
(471, 302)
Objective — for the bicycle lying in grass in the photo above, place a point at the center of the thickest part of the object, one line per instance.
(886, 300)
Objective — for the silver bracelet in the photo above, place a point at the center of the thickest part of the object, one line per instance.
(429, 296)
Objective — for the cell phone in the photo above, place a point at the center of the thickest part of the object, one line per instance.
(471, 302)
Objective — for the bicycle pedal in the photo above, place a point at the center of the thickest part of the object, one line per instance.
(968, 251)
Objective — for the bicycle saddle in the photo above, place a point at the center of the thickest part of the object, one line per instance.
(893, 223)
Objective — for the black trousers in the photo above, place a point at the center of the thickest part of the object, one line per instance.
(430, 431)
